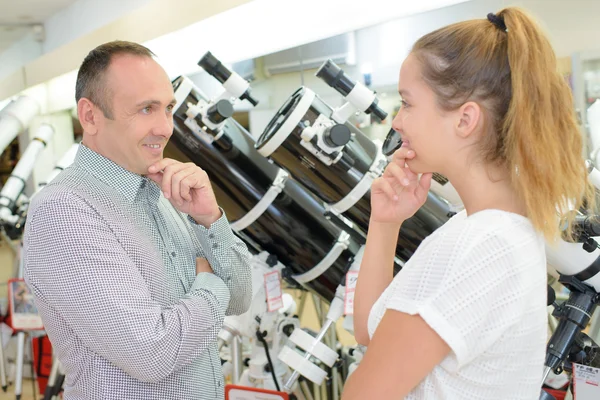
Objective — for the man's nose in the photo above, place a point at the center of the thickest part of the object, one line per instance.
(164, 127)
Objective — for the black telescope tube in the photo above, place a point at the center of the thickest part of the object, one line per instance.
(220, 72)
(214, 67)
(335, 77)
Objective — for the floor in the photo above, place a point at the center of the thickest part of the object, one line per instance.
(26, 395)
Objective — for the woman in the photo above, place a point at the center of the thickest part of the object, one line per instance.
(484, 105)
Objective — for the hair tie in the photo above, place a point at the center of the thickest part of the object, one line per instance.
(497, 21)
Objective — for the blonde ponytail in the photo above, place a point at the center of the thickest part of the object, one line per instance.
(531, 126)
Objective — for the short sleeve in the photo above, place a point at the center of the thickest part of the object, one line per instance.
(464, 285)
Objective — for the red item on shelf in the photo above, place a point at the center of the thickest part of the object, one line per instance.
(42, 360)
(558, 394)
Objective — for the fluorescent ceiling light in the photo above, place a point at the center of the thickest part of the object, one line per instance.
(266, 26)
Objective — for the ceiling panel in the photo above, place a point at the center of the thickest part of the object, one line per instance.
(16, 17)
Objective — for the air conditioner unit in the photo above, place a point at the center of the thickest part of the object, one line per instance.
(341, 49)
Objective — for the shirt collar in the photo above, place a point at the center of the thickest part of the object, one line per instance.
(123, 181)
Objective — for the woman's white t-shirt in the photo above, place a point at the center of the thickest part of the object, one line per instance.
(480, 283)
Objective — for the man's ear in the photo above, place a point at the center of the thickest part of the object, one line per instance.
(88, 116)
(469, 117)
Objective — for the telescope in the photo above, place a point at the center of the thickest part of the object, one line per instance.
(578, 265)
(15, 118)
(15, 185)
(269, 211)
(357, 95)
(336, 162)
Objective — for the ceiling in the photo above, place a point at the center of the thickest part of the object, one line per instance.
(17, 16)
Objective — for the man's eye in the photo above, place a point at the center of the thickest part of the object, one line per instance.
(147, 110)
(170, 107)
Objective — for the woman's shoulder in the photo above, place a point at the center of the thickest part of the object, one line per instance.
(488, 231)
(489, 222)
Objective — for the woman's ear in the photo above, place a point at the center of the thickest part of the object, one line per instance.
(469, 116)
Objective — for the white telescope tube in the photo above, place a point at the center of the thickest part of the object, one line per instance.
(593, 174)
(15, 117)
(571, 259)
(67, 159)
(16, 182)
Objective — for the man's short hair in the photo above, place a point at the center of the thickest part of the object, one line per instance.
(91, 82)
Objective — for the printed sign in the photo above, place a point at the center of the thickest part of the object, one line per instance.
(586, 382)
(351, 278)
(273, 289)
(233, 392)
(23, 313)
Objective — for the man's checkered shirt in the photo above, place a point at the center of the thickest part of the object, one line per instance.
(112, 267)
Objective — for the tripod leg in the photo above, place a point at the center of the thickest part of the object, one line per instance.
(299, 394)
(60, 380)
(2, 368)
(51, 380)
(306, 390)
(236, 359)
(20, 359)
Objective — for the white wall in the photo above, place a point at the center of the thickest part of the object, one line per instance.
(76, 20)
(83, 17)
(386, 45)
(20, 53)
(72, 33)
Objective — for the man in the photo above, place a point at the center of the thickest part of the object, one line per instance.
(120, 248)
